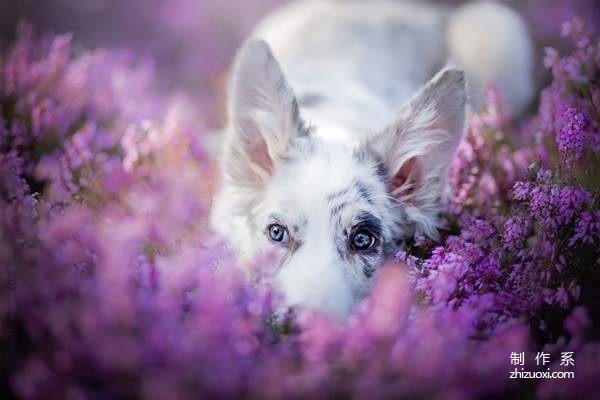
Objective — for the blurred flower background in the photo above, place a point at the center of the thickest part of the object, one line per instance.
(111, 285)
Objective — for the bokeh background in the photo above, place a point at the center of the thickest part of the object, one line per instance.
(192, 42)
(111, 285)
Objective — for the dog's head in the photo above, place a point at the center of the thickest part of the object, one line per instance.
(335, 209)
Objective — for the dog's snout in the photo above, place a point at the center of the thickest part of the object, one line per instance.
(316, 283)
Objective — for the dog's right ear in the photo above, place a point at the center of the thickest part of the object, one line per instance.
(263, 116)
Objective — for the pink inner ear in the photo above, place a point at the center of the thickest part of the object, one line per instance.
(259, 155)
(406, 176)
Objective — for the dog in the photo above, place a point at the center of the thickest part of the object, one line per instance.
(343, 117)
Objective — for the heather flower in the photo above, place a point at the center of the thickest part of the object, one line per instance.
(477, 230)
(515, 231)
(521, 190)
(572, 136)
(116, 288)
(587, 230)
(572, 201)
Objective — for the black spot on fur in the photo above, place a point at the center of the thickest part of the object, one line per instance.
(367, 268)
(364, 191)
(382, 171)
(336, 209)
(366, 155)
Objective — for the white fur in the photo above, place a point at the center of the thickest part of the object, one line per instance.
(491, 43)
(315, 275)
(327, 166)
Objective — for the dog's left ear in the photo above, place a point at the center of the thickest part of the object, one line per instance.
(419, 145)
(263, 116)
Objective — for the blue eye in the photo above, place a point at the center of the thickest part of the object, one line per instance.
(362, 240)
(277, 233)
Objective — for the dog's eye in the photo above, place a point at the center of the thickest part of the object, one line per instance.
(277, 233)
(362, 240)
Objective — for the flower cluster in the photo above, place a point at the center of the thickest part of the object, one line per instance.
(111, 285)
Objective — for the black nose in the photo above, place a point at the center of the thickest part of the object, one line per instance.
(282, 320)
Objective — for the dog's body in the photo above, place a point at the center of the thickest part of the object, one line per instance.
(309, 164)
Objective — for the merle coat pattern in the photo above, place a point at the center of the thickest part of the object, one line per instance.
(338, 152)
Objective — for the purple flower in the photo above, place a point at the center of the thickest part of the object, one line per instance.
(587, 230)
(521, 190)
(572, 135)
(118, 289)
(515, 232)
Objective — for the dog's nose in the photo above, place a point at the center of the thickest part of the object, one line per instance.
(282, 318)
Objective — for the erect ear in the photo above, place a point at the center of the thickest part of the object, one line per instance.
(263, 115)
(418, 146)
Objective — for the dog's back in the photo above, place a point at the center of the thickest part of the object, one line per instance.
(352, 63)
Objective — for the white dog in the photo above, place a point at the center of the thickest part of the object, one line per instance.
(309, 164)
